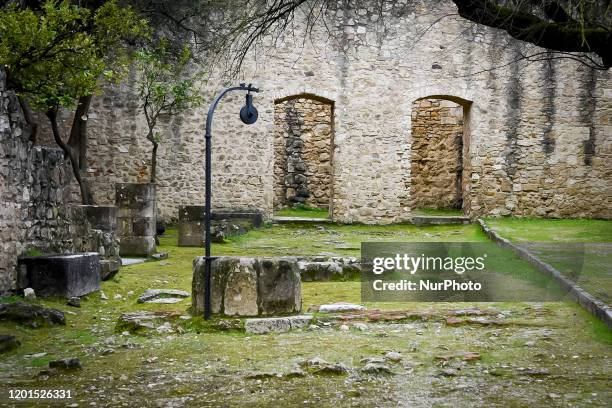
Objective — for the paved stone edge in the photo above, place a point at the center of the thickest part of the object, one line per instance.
(596, 307)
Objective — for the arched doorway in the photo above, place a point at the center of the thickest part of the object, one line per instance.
(439, 147)
(303, 150)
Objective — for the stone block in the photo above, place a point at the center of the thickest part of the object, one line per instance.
(62, 275)
(136, 218)
(137, 246)
(276, 324)
(249, 286)
(279, 286)
(223, 224)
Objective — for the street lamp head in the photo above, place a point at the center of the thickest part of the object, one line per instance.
(248, 113)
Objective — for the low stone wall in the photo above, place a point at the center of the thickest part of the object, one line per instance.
(249, 286)
(94, 229)
(136, 218)
(223, 225)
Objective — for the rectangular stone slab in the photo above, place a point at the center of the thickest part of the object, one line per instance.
(65, 275)
(191, 224)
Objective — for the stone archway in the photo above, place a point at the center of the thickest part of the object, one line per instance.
(439, 149)
(303, 150)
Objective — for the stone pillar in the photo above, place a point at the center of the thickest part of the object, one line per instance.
(136, 218)
(249, 286)
(224, 224)
(94, 229)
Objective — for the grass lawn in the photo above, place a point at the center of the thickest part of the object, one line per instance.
(580, 249)
(438, 212)
(546, 230)
(542, 349)
(302, 212)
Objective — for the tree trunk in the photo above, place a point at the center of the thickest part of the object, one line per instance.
(29, 118)
(73, 155)
(154, 161)
(78, 141)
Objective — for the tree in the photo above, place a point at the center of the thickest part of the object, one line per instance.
(55, 54)
(164, 86)
(565, 26)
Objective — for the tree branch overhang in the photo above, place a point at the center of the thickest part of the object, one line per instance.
(556, 35)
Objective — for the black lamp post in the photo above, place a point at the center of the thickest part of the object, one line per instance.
(248, 115)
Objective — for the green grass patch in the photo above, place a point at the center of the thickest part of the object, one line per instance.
(542, 230)
(302, 212)
(438, 211)
(581, 249)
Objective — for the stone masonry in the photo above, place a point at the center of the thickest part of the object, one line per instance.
(436, 154)
(33, 186)
(537, 136)
(35, 192)
(302, 153)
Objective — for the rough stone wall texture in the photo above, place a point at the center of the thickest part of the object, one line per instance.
(302, 153)
(436, 154)
(33, 186)
(538, 136)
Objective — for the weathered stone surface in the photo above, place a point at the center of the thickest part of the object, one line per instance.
(29, 294)
(240, 295)
(34, 190)
(62, 275)
(319, 366)
(528, 125)
(276, 324)
(341, 307)
(437, 154)
(109, 268)
(94, 229)
(137, 322)
(249, 286)
(279, 287)
(8, 343)
(302, 152)
(321, 269)
(376, 368)
(31, 315)
(136, 218)
(223, 224)
(152, 294)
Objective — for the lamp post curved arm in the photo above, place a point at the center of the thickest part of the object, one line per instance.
(208, 186)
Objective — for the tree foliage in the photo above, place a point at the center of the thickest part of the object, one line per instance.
(165, 86)
(55, 53)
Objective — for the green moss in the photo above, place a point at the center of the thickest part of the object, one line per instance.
(31, 252)
(210, 365)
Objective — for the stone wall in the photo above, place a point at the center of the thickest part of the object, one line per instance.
(436, 154)
(33, 192)
(302, 153)
(537, 135)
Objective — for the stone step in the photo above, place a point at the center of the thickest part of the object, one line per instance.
(420, 220)
(300, 219)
